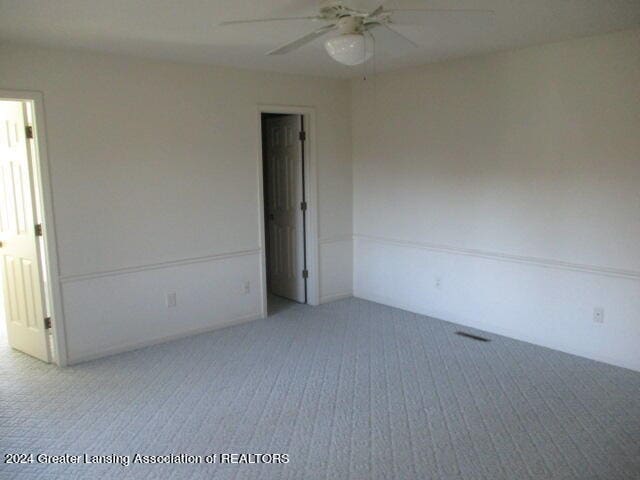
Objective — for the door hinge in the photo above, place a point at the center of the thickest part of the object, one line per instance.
(47, 323)
(303, 206)
(305, 273)
(302, 136)
(28, 131)
(38, 230)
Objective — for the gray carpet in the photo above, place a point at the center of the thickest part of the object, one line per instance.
(351, 389)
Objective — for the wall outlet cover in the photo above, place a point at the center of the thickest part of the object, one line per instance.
(171, 300)
(598, 315)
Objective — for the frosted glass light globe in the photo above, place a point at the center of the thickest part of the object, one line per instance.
(349, 49)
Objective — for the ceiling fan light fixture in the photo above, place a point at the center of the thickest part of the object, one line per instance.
(348, 48)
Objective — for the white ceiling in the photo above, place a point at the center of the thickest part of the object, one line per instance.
(187, 30)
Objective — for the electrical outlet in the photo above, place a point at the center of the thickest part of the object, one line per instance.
(598, 315)
(438, 283)
(171, 300)
(247, 287)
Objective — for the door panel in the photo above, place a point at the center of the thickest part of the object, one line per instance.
(284, 194)
(19, 254)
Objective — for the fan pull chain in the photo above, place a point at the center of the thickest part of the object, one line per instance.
(373, 57)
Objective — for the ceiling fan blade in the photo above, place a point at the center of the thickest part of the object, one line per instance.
(263, 20)
(395, 32)
(431, 16)
(377, 11)
(484, 11)
(299, 42)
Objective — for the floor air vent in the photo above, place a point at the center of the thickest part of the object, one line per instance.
(473, 337)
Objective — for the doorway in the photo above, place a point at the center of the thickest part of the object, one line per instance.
(285, 205)
(26, 306)
(302, 119)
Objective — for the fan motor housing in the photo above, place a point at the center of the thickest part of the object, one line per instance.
(348, 25)
(334, 10)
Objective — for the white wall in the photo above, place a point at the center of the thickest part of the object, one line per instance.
(515, 178)
(155, 186)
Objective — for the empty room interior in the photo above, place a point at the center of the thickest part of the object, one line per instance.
(301, 239)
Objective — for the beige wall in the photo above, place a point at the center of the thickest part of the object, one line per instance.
(153, 162)
(528, 160)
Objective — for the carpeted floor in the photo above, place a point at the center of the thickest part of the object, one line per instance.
(350, 389)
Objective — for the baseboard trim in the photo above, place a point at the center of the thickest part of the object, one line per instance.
(168, 338)
(497, 330)
(156, 266)
(335, 297)
(503, 257)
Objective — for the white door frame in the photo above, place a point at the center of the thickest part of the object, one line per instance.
(311, 191)
(52, 272)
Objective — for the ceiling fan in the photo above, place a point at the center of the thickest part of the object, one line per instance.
(348, 47)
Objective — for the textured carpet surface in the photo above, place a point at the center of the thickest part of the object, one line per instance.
(351, 389)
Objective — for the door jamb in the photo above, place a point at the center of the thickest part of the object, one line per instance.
(52, 272)
(311, 191)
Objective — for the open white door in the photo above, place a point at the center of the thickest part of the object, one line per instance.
(19, 253)
(284, 197)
